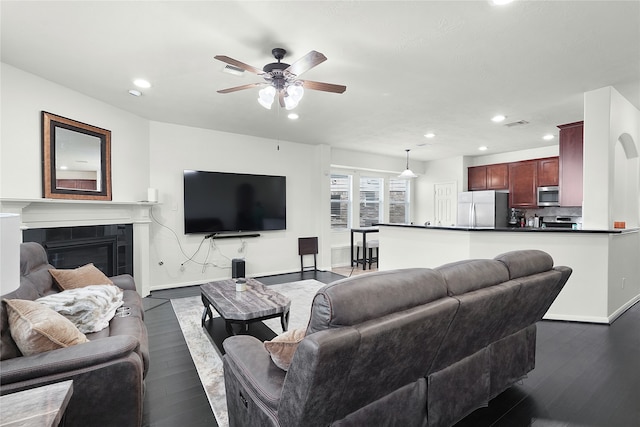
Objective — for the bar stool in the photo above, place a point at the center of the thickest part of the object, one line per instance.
(371, 245)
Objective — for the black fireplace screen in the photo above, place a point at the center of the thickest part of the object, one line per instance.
(108, 247)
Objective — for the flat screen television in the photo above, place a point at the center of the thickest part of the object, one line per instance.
(220, 202)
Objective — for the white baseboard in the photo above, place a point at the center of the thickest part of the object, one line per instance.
(624, 308)
(571, 318)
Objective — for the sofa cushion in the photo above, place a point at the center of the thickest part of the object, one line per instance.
(471, 275)
(36, 328)
(79, 277)
(282, 347)
(525, 262)
(89, 308)
(354, 300)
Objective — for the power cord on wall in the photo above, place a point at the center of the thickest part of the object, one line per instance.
(212, 242)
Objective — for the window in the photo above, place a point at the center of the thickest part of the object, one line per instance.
(399, 201)
(370, 201)
(340, 202)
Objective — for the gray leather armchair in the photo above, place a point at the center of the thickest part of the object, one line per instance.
(107, 372)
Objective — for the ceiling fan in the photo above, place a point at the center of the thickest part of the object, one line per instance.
(282, 79)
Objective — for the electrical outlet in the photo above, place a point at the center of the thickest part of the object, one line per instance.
(624, 279)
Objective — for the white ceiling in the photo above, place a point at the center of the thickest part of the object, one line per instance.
(410, 67)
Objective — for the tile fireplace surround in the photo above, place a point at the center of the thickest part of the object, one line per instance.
(48, 213)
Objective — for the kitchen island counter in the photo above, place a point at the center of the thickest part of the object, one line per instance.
(606, 273)
(514, 229)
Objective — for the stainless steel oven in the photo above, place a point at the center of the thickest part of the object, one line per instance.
(548, 196)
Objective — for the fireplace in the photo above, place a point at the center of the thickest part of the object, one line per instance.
(108, 247)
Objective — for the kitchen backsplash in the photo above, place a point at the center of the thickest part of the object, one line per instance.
(554, 211)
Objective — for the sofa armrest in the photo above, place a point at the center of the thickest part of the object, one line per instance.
(124, 281)
(248, 358)
(64, 360)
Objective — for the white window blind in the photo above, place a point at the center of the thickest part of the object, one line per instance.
(371, 190)
(399, 201)
(340, 201)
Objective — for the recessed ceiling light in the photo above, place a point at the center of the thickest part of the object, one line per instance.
(500, 2)
(548, 137)
(483, 148)
(498, 118)
(429, 135)
(64, 168)
(142, 83)
(135, 92)
(293, 116)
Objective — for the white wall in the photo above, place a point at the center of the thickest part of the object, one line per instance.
(175, 148)
(24, 96)
(437, 171)
(515, 156)
(607, 115)
(355, 160)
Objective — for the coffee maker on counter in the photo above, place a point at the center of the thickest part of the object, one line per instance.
(516, 218)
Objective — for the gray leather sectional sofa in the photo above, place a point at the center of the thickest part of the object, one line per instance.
(413, 347)
(107, 372)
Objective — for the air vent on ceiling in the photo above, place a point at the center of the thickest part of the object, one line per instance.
(518, 123)
(233, 70)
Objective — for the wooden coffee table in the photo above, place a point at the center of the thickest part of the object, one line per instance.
(257, 303)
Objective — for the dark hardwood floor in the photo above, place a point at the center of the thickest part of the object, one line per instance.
(585, 375)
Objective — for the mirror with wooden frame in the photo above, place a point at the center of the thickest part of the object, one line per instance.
(76, 159)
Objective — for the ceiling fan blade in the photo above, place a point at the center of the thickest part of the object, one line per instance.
(237, 88)
(326, 87)
(281, 98)
(306, 63)
(238, 64)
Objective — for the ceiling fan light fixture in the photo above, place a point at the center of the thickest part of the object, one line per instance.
(294, 94)
(407, 173)
(266, 97)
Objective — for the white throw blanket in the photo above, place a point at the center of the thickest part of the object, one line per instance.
(89, 308)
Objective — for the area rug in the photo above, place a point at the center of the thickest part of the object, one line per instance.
(206, 356)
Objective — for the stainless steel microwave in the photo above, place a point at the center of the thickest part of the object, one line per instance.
(548, 196)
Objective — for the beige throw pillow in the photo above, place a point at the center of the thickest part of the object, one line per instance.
(282, 347)
(80, 277)
(36, 328)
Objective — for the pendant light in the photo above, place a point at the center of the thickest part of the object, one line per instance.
(407, 173)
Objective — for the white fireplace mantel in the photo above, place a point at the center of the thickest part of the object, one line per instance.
(48, 213)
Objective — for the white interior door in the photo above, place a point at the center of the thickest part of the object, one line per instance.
(445, 203)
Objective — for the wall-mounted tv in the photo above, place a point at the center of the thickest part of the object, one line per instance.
(220, 202)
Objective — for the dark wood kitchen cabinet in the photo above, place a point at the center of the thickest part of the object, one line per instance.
(489, 177)
(477, 178)
(498, 176)
(571, 164)
(523, 184)
(548, 171)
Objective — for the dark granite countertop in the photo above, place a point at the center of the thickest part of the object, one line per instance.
(515, 229)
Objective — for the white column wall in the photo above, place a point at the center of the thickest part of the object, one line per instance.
(607, 115)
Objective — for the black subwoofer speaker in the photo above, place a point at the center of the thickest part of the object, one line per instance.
(237, 268)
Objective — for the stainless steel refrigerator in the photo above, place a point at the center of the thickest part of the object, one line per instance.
(484, 209)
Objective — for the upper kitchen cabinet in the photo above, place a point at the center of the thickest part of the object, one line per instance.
(489, 177)
(548, 172)
(477, 178)
(523, 184)
(571, 164)
(498, 176)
